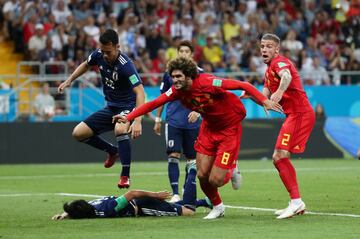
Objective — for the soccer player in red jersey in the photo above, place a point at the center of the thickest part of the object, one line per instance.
(218, 142)
(282, 85)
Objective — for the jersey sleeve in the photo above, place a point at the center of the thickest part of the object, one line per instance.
(279, 65)
(92, 59)
(220, 85)
(169, 95)
(121, 203)
(166, 83)
(129, 72)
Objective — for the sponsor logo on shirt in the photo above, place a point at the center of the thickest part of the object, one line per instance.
(134, 79)
(217, 82)
(169, 92)
(281, 64)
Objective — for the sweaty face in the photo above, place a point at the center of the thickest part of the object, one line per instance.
(179, 79)
(184, 51)
(109, 51)
(269, 49)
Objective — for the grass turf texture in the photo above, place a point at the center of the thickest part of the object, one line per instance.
(330, 186)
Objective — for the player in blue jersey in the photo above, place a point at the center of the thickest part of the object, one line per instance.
(181, 129)
(123, 92)
(136, 203)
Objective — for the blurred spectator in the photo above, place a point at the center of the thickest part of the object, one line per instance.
(315, 74)
(212, 51)
(60, 11)
(44, 104)
(48, 53)
(37, 41)
(292, 44)
(231, 28)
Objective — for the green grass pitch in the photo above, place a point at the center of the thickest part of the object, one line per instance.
(29, 197)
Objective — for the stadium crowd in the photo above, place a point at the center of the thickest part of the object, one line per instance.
(320, 37)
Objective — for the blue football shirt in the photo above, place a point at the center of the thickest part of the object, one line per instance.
(118, 79)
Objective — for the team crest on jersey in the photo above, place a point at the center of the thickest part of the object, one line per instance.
(169, 92)
(134, 79)
(217, 82)
(281, 64)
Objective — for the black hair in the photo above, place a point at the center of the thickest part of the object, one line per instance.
(79, 209)
(109, 36)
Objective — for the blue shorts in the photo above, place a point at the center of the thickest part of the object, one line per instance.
(177, 139)
(154, 207)
(101, 121)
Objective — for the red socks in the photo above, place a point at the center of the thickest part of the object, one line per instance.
(211, 192)
(288, 176)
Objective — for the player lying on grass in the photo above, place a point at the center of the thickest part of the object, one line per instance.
(136, 203)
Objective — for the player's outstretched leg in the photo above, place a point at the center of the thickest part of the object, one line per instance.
(174, 174)
(125, 157)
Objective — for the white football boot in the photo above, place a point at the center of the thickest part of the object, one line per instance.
(236, 178)
(216, 212)
(292, 210)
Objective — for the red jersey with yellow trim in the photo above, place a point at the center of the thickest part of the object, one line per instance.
(218, 107)
(294, 98)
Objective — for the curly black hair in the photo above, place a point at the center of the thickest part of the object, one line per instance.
(186, 65)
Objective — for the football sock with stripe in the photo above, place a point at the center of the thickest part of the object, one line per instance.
(124, 153)
(288, 176)
(174, 173)
(99, 143)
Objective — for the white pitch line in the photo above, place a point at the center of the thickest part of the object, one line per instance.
(89, 175)
(228, 206)
(306, 212)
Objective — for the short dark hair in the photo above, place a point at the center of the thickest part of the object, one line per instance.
(272, 37)
(109, 36)
(186, 43)
(79, 209)
(186, 65)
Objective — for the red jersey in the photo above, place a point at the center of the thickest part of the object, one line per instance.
(208, 96)
(294, 98)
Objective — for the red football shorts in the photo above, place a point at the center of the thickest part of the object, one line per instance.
(295, 132)
(223, 144)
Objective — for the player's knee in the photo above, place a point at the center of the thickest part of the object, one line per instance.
(120, 131)
(202, 175)
(280, 154)
(174, 155)
(216, 180)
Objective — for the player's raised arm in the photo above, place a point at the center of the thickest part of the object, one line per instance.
(259, 98)
(81, 69)
(145, 108)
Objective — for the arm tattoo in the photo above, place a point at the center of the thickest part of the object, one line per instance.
(285, 79)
